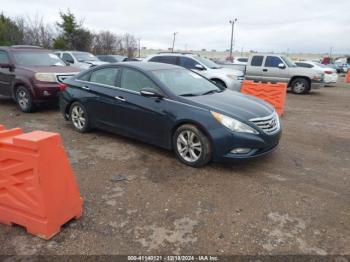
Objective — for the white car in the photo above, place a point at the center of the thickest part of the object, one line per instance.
(223, 77)
(82, 60)
(330, 74)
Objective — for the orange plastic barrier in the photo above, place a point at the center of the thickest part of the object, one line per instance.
(37, 187)
(275, 94)
(348, 77)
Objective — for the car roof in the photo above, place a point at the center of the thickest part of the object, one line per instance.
(150, 66)
(24, 47)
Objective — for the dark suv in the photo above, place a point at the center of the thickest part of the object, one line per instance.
(31, 75)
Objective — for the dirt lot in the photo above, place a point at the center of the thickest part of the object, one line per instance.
(294, 201)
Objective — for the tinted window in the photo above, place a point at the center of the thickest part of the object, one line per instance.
(135, 81)
(257, 60)
(4, 58)
(187, 62)
(273, 61)
(242, 59)
(164, 59)
(68, 58)
(106, 76)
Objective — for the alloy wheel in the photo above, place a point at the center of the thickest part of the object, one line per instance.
(189, 146)
(78, 117)
(23, 99)
(299, 87)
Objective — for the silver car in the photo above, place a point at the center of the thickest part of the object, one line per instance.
(223, 77)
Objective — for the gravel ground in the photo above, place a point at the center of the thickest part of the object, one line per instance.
(294, 201)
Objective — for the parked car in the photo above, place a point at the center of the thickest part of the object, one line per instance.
(279, 68)
(240, 60)
(113, 58)
(82, 60)
(330, 74)
(223, 77)
(227, 64)
(31, 75)
(171, 107)
(337, 68)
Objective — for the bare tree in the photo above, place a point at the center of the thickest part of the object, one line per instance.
(36, 31)
(129, 45)
(105, 42)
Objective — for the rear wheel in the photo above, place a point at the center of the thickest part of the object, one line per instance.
(79, 117)
(191, 146)
(24, 100)
(300, 86)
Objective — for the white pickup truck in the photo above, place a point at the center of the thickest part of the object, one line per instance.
(279, 68)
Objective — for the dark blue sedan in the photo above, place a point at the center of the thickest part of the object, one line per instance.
(173, 108)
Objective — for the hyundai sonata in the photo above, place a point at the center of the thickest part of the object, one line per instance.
(173, 108)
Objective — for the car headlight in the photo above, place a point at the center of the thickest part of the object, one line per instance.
(46, 77)
(233, 124)
(233, 77)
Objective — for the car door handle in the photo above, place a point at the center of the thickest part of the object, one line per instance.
(120, 98)
(85, 87)
(265, 70)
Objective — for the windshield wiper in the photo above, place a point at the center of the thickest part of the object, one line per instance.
(210, 92)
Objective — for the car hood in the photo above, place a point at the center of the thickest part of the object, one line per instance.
(52, 69)
(233, 104)
(227, 71)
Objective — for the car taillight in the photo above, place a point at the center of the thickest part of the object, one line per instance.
(62, 86)
(328, 72)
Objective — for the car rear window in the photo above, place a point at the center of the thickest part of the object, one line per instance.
(164, 59)
(257, 60)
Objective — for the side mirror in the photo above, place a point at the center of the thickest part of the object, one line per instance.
(150, 92)
(199, 67)
(281, 66)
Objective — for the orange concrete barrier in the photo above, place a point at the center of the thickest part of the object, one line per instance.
(348, 77)
(275, 94)
(37, 187)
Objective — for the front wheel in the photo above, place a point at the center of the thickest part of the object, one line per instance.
(191, 146)
(300, 86)
(24, 100)
(79, 117)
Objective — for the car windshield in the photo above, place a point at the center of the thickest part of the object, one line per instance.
(208, 63)
(30, 58)
(84, 56)
(183, 82)
(289, 62)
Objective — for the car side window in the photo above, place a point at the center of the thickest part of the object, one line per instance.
(188, 63)
(4, 59)
(164, 59)
(304, 65)
(105, 76)
(135, 81)
(257, 60)
(273, 61)
(67, 58)
(242, 59)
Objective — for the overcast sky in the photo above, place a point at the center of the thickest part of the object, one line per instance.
(263, 25)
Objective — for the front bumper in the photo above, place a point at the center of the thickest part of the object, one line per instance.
(225, 141)
(46, 91)
(234, 85)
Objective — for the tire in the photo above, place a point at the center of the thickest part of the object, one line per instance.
(191, 146)
(79, 117)
(24, 100)
(300, 86)
(220, 84)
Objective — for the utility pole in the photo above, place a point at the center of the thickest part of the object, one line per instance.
(172, 49)
(139, 47)
(232, 22)
(330, 52)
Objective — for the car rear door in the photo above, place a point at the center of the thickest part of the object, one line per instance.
(6, 75)
(254, 68)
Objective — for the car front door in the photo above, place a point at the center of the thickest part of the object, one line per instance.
(6, 74)
(271, 71)
(143, 117)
